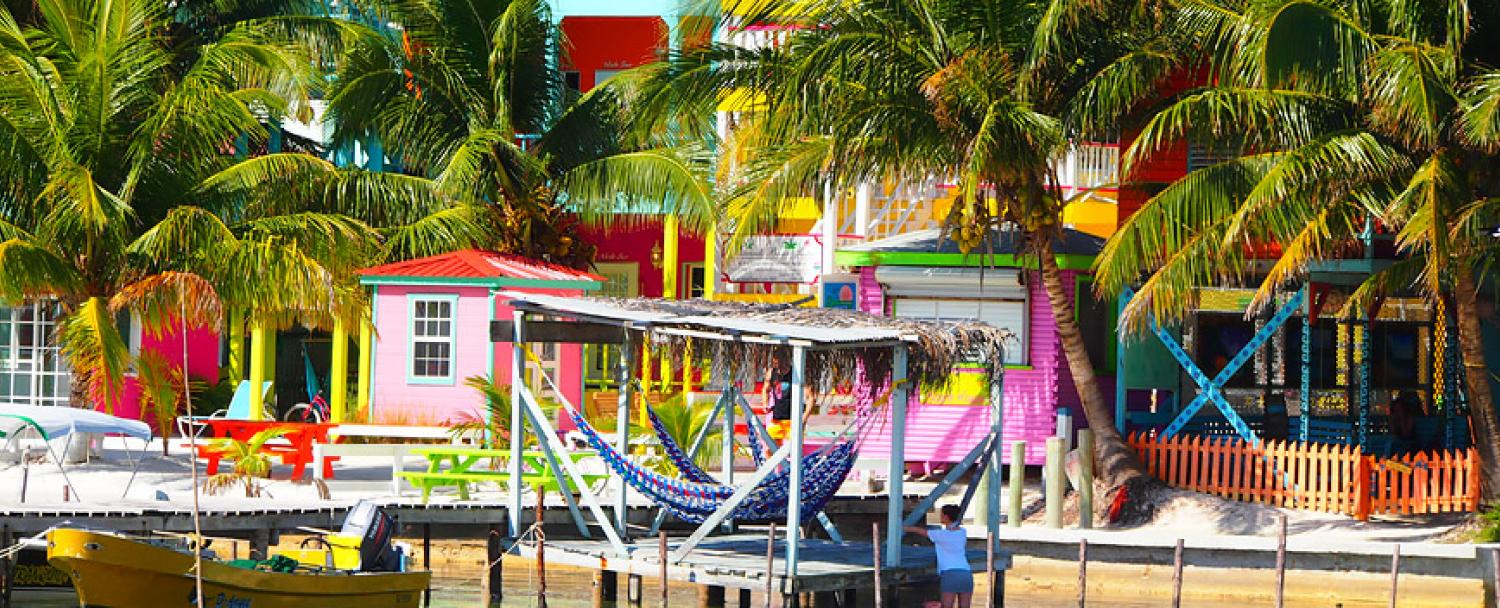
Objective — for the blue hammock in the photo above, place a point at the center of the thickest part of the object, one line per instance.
(692, 501)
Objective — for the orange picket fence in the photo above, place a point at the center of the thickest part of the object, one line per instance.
(1315, 476)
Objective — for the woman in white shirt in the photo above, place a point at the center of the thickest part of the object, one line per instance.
(950, 540)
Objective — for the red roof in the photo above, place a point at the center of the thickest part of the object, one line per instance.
(478, 264)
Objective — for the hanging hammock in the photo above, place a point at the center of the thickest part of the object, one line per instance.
(824, 472)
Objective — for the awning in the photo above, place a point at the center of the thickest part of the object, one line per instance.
(53, 422)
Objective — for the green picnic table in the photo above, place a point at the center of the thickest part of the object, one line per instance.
(460, 469)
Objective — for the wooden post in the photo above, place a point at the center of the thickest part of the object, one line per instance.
(427, 561)
(989, 572)
(875, 543)
(1017, 477)
(633, 590)
(1395, 571)
(1054, 480)
(1495, 560)
(493, 567)
(1281, 562)
(770, 563)
(6, 580)
(541, 549)
(1085, 479)
(260, 544)
(710, 596)
(1083, 571)
(661, 552)
(1177, 576)
(606, 588)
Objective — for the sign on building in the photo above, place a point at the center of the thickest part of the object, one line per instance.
(777, 259)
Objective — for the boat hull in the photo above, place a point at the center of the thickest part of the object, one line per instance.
(111, 571)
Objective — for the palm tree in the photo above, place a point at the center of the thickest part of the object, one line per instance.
(1340, 114)
(123, 188)
(987, 94)
(472, 98)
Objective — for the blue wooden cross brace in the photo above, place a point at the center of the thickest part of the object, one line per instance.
(1210, 390)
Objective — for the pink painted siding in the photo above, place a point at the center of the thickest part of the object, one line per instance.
(394, 399)
(871, 299)
(202, 363)
(946, 433)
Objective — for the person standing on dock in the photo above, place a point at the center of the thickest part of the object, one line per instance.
(776, 393)
(956, 579)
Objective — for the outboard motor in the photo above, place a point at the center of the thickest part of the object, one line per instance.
(375, 529)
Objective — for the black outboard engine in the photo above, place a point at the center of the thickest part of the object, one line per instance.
(376, 528)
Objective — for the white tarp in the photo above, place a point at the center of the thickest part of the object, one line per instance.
(57, 421)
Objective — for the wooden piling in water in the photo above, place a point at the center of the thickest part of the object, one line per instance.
(1395, 571)
(1281, 562)
(661, 551)
(606, 588)
(260, 544)
(1495, 560)
(493, 576)
(770, 563)
(7, 567)
(1177, 576)
(541, 551)
(710, 596)
(1083, 571)
(875, 543)
(1017, 477)
(1055, 478)
(427, 561)
(997, 592)
(634, 592)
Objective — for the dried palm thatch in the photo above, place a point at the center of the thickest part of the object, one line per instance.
(934, 348)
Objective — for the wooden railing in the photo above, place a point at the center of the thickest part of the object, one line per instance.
(1315, 476)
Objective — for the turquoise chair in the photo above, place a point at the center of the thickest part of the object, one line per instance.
(239, 409)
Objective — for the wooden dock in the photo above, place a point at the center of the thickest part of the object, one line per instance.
(739, 562)
(259, 515)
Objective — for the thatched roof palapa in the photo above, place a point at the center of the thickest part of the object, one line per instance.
(843, 346)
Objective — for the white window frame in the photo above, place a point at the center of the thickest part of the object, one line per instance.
(412, 339)
(46, 357)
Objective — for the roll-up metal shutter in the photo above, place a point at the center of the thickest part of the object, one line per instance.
(1001, 283)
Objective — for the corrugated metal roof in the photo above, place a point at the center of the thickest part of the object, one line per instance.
(479, 264)
(702, 316)
(998, 242)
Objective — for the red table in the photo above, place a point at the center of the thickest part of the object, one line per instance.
(298, 451)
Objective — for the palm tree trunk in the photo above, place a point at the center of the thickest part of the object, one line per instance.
(1117, 462)
(1476, 373)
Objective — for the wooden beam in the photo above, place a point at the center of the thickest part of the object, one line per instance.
(734, 501)
(560, 332)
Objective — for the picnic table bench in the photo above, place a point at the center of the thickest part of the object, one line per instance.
(396, 451)
(297, 450)
(460, 471)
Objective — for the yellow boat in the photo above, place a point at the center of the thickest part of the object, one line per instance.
(114, 571)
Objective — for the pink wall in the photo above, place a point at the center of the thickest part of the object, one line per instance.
(946, 433)
(394, 399)
(632, 242)
(202, 363)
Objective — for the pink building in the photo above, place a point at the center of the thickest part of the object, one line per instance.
(921, 275)
(432, 317)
